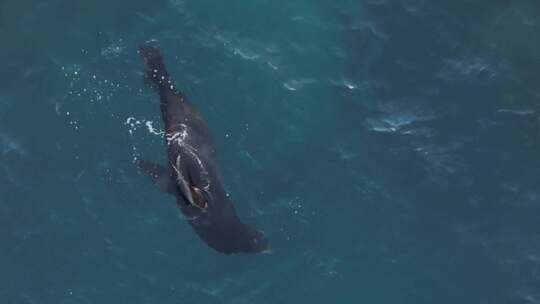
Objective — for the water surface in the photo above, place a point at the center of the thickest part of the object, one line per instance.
(389, 149)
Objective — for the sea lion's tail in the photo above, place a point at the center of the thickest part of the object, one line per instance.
(156, 74)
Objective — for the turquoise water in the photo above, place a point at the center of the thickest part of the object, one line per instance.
(389, 149)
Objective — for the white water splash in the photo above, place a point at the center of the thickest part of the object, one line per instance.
(134, 124)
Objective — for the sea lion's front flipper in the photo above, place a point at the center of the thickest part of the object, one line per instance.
(161, 177)
(184, 180)
(183, 187)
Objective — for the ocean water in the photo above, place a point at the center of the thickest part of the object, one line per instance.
(389, 149)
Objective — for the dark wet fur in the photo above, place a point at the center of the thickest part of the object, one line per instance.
(218, 225)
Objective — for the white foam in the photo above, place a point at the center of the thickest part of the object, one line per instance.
(134, 124)
(151, 129)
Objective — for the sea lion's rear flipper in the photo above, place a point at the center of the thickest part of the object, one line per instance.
(156, 74)
(171, 99)
(161, 177)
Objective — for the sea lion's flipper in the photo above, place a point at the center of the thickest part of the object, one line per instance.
(190, 191)
(171, 98)
(184, 188)
(161, 177)
(156, 73)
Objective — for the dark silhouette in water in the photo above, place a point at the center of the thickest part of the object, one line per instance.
(192, 174)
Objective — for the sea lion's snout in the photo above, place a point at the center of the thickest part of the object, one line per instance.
(261, 243)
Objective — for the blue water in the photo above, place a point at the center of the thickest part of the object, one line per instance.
(389, 149)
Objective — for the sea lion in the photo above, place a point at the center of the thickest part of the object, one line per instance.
(192, 174)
